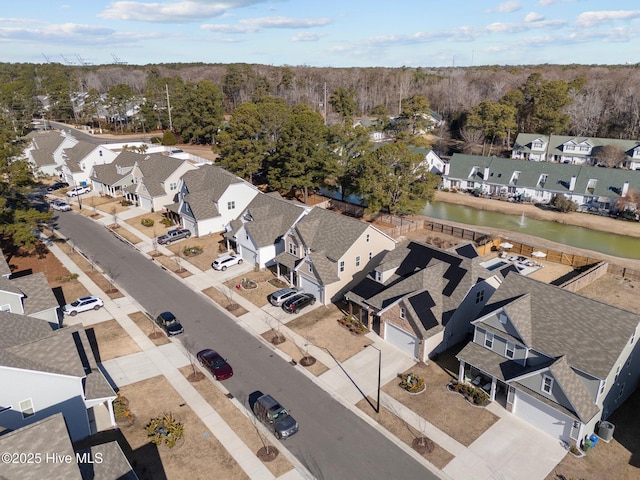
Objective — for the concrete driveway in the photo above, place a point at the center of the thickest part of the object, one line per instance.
(510, 449)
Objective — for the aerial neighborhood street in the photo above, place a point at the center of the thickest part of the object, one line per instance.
(345, 242)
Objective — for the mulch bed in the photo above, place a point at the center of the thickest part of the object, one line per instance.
(267, 454)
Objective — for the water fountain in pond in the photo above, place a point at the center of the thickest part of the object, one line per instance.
(523, 220)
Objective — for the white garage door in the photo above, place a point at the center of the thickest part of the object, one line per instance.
(543, 416)
(248, 255)
(310, 287)
(401, 339)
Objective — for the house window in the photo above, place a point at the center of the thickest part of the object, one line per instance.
(488, 340)
(358, 261)
(479, 296)
(633, 338)
(26, 407)
(370, 255)
(403, 312)
(628, 364)
(617, 374)
(5, 308)
(293, 249)
(310, 267)
(231, 205)
(621, 392)
(341, 268)
(368, 237)
(547, 384)
(379, 276)
(173, 186)
(510, 349)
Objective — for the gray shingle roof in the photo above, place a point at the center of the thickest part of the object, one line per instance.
(210, 178)
(329, 233)
(271, 218)
(574, 389)
(77, 153)
(4, 266)
(114, 465)
(564, 323)
(120, 168)
(524, 141)
(202, 205)
(47, 141)
(42, 158)
(47, 436)
(38, 294)
(155, 169)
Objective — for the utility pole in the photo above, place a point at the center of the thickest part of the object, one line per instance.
(325, 103)
(168, 107)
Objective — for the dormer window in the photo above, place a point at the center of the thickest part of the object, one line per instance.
(514, 177)
(537, 145)
(231, 205)
(403, 312)
(510, 349)
(293, 249)
(542, 180)
(591, 186)
(341, 267)
(378, 276)
(547, 384)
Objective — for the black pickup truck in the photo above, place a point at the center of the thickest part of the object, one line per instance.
(173, 236)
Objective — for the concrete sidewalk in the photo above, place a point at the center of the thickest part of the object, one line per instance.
(347, 381)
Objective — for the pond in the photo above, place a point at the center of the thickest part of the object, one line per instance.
(579, 237)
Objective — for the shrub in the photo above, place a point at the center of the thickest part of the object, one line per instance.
(165, 429)
(166, 222)
(411, 382)
(67, 278)
(126, 203)
(147, 222)
(192, 250)
(563, 204)
(121, 409)
(169, 138)
(353, 324)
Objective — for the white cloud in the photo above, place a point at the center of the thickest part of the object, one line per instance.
(509, 6)
(172, 12)
(546, 3)
(589, 19)
(533, 17)
(307, 37)
(252, 25)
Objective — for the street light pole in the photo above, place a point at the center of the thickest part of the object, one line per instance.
(377, 409)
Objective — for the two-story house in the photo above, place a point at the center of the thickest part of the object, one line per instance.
(419, 297)
(45, 150)
(30, 295)
(326, 253)
(115, 178)
(51, 371)
(156, 180)
(587, 186)
(80, 159)
(258, 234)
(572, 150)
(209, 198)
(560, 361)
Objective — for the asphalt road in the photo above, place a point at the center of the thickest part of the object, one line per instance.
(332, 442)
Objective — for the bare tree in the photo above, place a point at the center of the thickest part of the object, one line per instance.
(189, 347)
(154, 242)
(112, 275)
(278, 337)
(114, 216)
(610, 156)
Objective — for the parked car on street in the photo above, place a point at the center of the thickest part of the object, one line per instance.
(57, 186)
(169, 323)
(60, 205)
(173, 236)
(75, 191)
(213, 362)
(83, 304)
(298, 302)
(278, 298)
(225, 261)
(274, 416)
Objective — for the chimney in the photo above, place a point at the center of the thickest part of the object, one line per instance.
(625, 189)
(572, 183)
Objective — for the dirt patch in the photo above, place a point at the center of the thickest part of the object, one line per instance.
(438, 456)
(113, 341)
(40, 259)
(447, 411)
(243, 426)
(126, 234)
(200, 451)
(258, 296)
(225, 302)
(210, 250)
(320, 327)
(615, 290)
(297, 353)
(149, 328)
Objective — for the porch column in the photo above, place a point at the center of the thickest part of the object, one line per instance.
(278, 270)
(492, 394)
(461, 371)
(112, 415)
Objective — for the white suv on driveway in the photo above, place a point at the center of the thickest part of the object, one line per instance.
(82, 305)
(225, 261)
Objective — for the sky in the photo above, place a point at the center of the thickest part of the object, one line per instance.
(321, 33)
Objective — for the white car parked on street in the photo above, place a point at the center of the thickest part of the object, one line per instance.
(60, 205)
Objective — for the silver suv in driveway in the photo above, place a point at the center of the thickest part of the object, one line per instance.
(278, 298)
